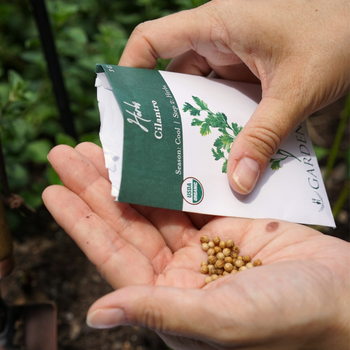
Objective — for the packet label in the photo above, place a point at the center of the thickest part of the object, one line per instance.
(166, 139)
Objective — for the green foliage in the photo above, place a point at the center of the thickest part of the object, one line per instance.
(86, 32)
(223, 142)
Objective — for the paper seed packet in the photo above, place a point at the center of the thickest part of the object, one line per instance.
(166, 139)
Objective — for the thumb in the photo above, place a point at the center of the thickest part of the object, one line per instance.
(259, 140)
(163, 309)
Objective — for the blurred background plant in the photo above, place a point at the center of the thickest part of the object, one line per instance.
(86, 32)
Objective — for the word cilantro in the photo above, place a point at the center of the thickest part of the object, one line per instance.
(223, 143)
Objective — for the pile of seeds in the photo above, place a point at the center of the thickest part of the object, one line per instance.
(224, 258)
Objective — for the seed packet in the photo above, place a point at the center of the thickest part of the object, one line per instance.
(166, 138)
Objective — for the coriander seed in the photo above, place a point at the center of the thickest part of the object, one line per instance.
(211, 244)
(242, 268)
(220, 256)
(217, 249)
(239, 263)
(234, 271)
(228, 267)
(211, 259)
(204, 239)
(213, 272)
(214, 277)
(226, 251)
(219, 264)
(257, 262)
(225, 273)
(204, 269)
(208, 280)
(222, 244)
(216, 240)
(249, 265)
(236, 249)
(219, 271)
(228, 259)
(204, 263)
(210, 251)
(247, 258)
(234, 255)
(205, 246)
(229, 243)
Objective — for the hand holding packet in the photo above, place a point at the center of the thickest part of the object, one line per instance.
(166, 139)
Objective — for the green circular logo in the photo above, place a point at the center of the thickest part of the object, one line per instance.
(192, 191)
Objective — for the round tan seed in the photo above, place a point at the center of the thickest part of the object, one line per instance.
(230, 243)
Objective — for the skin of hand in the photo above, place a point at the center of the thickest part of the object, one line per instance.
(299, 50)
(298, 299)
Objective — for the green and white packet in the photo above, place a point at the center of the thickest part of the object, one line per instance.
(166, 138)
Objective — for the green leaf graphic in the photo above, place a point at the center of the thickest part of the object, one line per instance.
(201, 104)
(218, 154)
(189, 108)
(224, 167)
(205, 129)
(224, 142)
(197, 122)
(236, 129)
(275, 164)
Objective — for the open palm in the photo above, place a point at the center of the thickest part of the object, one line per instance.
(152, 256)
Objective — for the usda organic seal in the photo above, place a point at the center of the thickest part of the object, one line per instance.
(192, 191)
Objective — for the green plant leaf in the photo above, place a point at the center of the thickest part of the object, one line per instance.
(201, 104)
(64, 139)
(321, 152)
(224, 167)
(193, 110)
(275, 164)
(38, 150)
(236, 128)
(218, 154)
(218, 143)
(52, 177)
(227, 141)
(197, 122)
(205, 129)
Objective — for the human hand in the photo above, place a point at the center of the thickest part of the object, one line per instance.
(299, 298)
(299, 51)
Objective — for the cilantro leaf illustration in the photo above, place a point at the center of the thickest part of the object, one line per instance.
(218, 154)
(224, 167)
(193, 110)
(197, 122)
(236, 129)
(201, 104)
(228, 132)
(275, 164)
(205, 129)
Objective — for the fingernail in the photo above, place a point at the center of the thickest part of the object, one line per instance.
(106, 318)
(246, 174)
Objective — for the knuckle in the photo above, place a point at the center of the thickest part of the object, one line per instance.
(264, 140)
(152, 318)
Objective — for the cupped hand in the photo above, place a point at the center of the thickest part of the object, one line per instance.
(298, 299)
(298, 50)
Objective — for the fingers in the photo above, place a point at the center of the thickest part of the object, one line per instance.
(80, 175)
(198, 29)
(175, 227)
(95, 154)
(164, 309)
(259, 140)
(102, 245)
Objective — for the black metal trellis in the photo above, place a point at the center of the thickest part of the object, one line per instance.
(48, 44)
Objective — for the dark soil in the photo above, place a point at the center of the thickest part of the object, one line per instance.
(49, 265)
